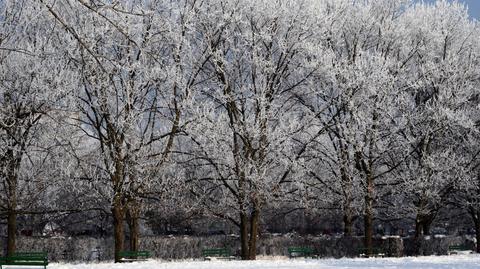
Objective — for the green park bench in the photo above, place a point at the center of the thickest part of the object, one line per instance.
(457, 248)
(29, 259)
(300, 252)
(376, 252)
(220, 253)
(133, 256)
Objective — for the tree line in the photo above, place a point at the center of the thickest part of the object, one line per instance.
(224, 108)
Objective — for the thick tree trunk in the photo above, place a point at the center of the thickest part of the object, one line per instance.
(422, 228)
(422, 225)
(477, 234)
(347, 224)
(11, 232)
(426, 227)
(368, 240)
(474, 214)
(12, 181)
(244, 236)
(252, 244)
(134, 227)
(249, 234)
(367, 168)
(347, 204)
(418, 228)
(418, 235)
(119, 236)
(368, 216)
(134, 234)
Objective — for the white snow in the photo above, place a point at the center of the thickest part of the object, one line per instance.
(431, 262)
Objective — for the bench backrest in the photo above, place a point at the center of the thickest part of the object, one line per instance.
(216, 252)
(134, 254)
(26, 258)
(33, 254)
(23, 258)
(457, 247)
(374, 250)
(300, 250)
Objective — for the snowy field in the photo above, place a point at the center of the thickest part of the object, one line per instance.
(431, 262)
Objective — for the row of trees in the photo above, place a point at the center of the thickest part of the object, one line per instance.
(224, 108)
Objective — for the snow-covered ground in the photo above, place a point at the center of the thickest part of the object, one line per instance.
(432, 262)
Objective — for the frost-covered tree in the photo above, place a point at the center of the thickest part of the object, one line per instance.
(467, 188)
(136, 67)
(360, 81)
(228, 108)
(434, 108)
(244, 122)
(32, 88)
(369, 94)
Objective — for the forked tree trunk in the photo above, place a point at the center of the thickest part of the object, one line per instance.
(367, 168)
(249, 234)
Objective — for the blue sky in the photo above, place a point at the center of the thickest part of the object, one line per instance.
(473, 7)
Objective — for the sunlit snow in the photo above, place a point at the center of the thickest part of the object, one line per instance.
(430, 262)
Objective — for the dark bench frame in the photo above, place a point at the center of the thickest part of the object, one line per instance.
(220, 253)
(376, 252)
(294, 252)
(25, 259)
(133, 256)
